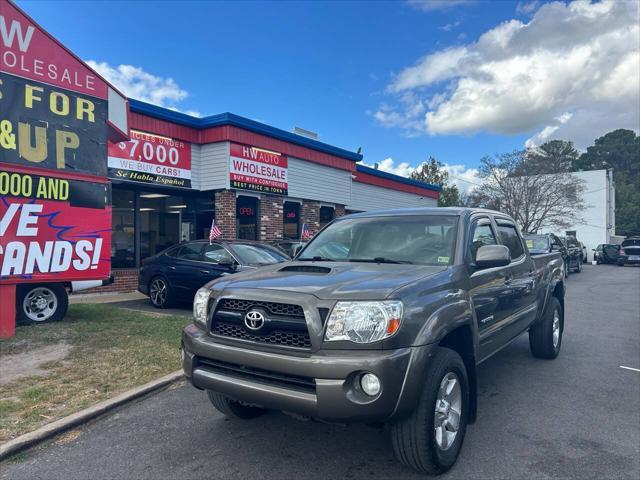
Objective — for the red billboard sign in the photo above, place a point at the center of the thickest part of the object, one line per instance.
(53, 228)
(30, 52)
(151, 158)
(257, 169)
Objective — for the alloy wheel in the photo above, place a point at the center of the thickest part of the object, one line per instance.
(556, 328)
(158, 292)
(448, 411)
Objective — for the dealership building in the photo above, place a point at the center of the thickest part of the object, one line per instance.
(177, 173)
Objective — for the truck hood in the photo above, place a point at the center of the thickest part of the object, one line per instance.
(330, 280)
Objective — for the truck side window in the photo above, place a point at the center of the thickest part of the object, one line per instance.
(509, 238)
(481, 234)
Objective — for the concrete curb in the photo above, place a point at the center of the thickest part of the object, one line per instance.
(47, 431)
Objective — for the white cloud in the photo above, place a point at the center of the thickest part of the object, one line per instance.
(136, 83)
(430, 5)
(521, 77)
(527, 8)
(449, 26)
(466, 179)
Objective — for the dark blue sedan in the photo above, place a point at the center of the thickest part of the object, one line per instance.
(179, 271)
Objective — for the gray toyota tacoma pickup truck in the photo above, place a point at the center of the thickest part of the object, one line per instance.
(382, 317)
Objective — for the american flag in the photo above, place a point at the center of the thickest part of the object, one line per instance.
(215, 231)
(305, 234)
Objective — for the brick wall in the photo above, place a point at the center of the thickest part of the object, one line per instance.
(340, 211)
(310, 214)
(225, 205)
(271, 217)
(124, 280)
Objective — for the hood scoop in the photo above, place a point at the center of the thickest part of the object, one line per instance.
(305, 269)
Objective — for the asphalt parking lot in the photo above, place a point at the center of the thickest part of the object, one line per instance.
(575, 417)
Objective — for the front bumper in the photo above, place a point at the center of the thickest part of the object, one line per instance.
(323, 384)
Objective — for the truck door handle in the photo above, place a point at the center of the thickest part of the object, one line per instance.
(171, 268)
(205, 271)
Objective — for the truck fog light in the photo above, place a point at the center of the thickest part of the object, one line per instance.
(370, 384)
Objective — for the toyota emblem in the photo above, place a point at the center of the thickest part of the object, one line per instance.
(254, 320)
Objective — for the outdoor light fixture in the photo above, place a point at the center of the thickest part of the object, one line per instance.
(153, 195)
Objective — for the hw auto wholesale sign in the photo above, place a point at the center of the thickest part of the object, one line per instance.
(152, 159)
(56, 115)
(256, 169)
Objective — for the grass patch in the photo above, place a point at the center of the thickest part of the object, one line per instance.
(112, 350)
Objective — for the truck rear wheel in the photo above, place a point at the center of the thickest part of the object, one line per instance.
(233, 408)
(41, 303)
(429, 440)
(545, 338)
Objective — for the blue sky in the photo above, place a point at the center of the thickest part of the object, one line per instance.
(361, 74)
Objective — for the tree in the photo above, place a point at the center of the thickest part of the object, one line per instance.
(512, 184)
(619, 150)
(432, 171)
(555, 156)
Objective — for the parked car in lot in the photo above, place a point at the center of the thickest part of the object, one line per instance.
(179, 271)
(290, 247)
(547, 243)
(574, 254)
(606, 253)
(629, 253)
(382, 317)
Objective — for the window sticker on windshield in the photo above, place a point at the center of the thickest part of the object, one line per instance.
(529, 243)
(443, 259)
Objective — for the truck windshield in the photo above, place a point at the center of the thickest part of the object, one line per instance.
(421, 239)
(536, 242)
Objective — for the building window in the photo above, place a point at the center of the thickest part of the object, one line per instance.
(146, 222)
(291, 220)
(326, 215)
(247, 217)
(123, 254)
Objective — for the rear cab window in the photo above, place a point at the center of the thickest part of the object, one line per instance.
(510, 238)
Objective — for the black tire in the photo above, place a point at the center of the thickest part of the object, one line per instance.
(414, 438)
(160, 300)
(41, 303)
(232, 408)
(541, 335)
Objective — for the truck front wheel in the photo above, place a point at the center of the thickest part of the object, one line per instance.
(233, 408)
(40, 303)
(429, 440)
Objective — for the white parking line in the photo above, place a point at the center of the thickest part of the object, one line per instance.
(630, 368)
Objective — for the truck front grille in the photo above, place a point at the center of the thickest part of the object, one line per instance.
(271, 307)
(285, 324)
(275, 337)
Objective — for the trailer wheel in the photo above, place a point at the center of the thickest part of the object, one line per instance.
(41, 302)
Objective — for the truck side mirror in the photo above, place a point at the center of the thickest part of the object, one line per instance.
(490, 256)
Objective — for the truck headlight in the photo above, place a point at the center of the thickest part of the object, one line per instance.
(364, 322)
(200, 302)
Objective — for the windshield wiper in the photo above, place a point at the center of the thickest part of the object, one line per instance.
(317, 258)
(378, 260)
